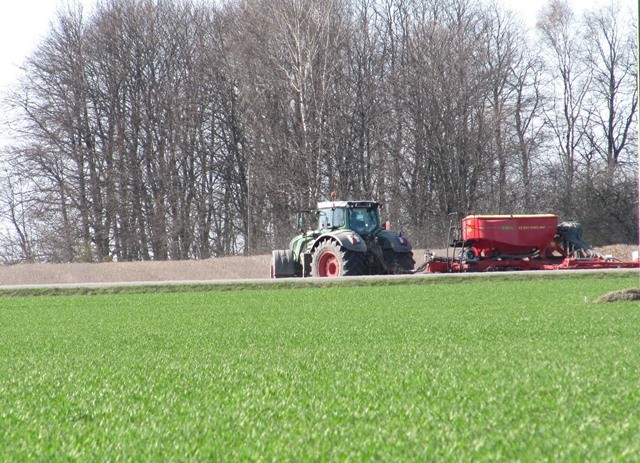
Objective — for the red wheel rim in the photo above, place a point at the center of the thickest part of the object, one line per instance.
(328, 265)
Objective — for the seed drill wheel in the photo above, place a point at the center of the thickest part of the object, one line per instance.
(282, 264)
(331, 260)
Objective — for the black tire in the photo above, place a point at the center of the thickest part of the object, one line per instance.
(404, 262)
(282, 264)
(332, 260)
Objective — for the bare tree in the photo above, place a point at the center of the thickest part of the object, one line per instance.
(17, 239)
(610, 171)
(525, 80)
(570, 83)
(441, 90)
(55, 124)
(290, 63)
(501, 53)
(614, 91)
(133, 135)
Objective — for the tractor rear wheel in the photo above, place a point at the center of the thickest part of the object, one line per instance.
(404, 262)
(331, 260)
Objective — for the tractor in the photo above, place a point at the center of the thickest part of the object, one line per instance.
(349, 240)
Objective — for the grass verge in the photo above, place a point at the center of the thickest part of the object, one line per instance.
(305, 283)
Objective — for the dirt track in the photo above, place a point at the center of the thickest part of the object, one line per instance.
(209, 269)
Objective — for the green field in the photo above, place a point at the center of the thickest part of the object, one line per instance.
(479, 370)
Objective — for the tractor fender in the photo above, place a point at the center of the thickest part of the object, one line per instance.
(393, 241)
(344, 238)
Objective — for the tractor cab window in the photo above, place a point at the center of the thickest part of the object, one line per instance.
(330, 218)
(363, 220)
(338, 218)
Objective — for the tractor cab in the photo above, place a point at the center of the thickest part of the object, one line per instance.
(362, 217)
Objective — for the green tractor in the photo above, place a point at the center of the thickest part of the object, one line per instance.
(349, 240)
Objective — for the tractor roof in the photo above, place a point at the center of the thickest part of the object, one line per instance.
(331, 204)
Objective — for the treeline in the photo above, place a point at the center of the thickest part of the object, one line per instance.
(156, 129)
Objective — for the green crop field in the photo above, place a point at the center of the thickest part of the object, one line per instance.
(478, 370)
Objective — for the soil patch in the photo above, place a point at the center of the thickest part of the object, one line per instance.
(226, 268)
(631, 294)
(621, 252)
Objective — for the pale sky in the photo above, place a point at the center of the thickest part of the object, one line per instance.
(528, 9)
(23, 24)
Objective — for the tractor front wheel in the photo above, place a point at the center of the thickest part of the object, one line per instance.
(331, 260)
